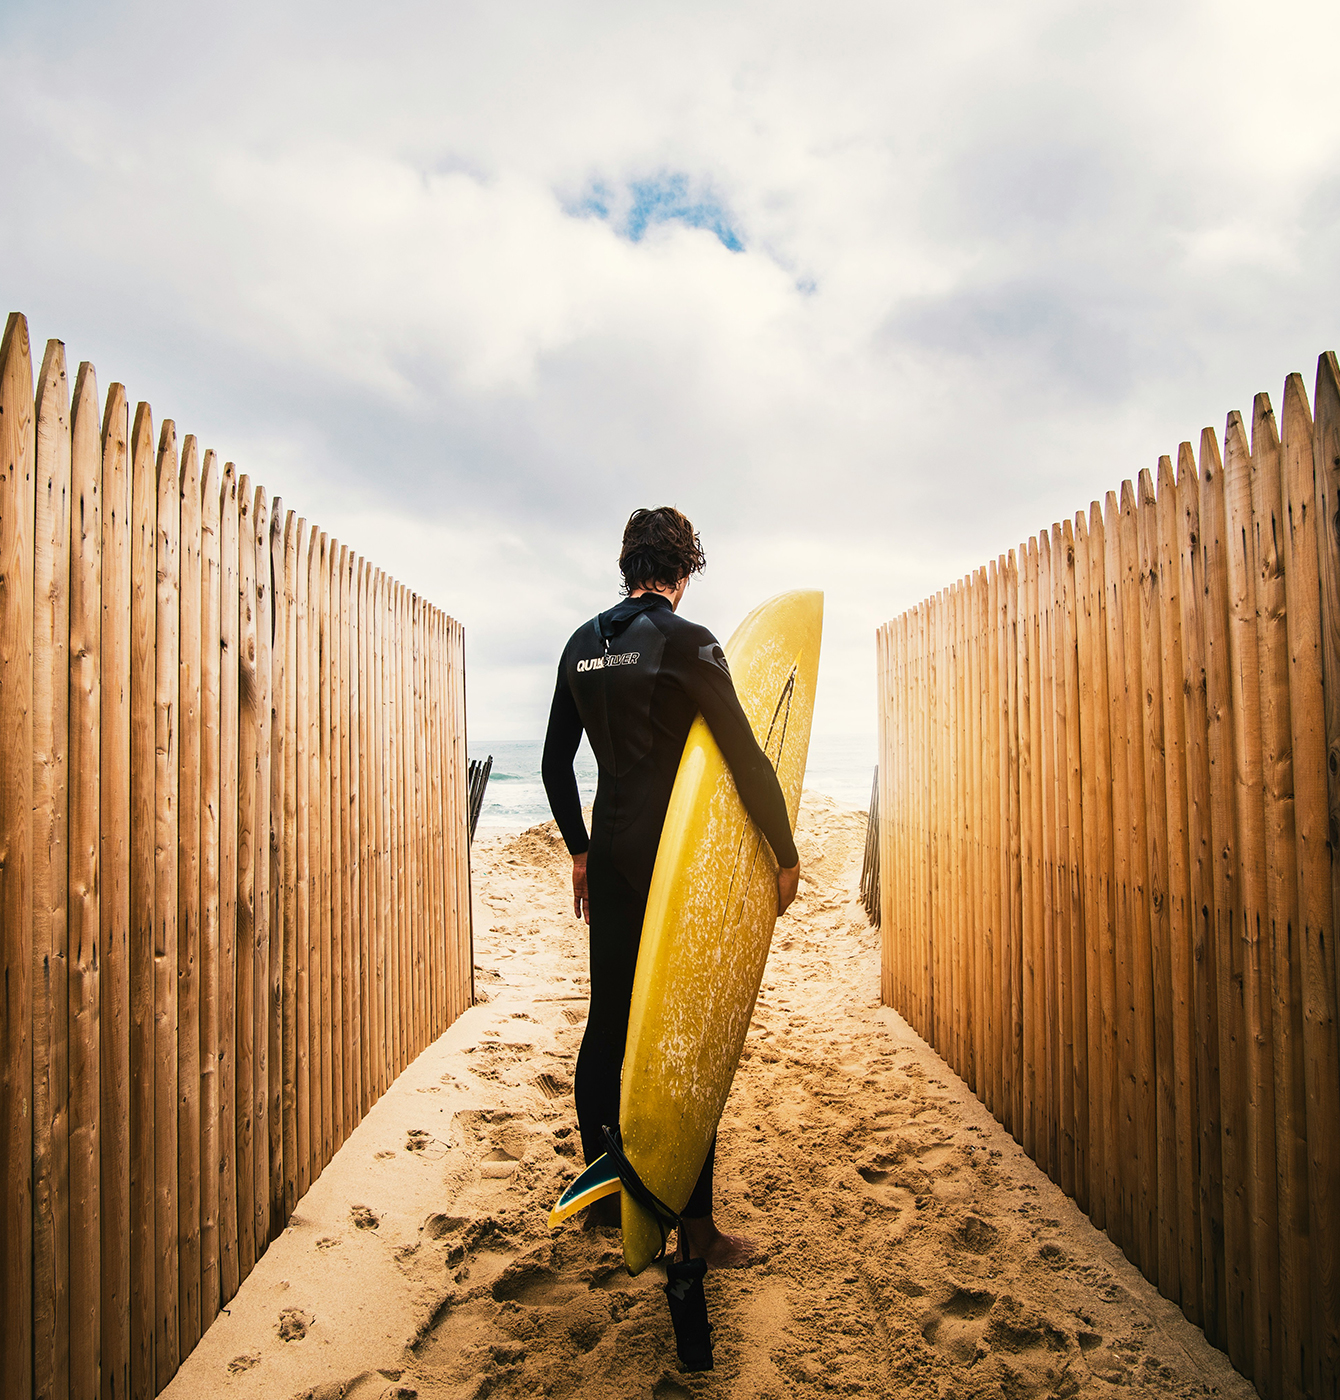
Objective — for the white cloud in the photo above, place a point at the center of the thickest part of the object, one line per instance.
(993, 260)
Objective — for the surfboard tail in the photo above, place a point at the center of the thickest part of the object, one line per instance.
(600, 1179)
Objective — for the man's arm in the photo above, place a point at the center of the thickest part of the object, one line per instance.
(708, 683)
(560, 782)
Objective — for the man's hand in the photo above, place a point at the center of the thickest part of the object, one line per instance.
(788, 881)
(581, 901)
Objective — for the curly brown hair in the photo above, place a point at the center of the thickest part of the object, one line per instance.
(660, 547)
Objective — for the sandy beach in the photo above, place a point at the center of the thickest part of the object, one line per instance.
(908, 1246)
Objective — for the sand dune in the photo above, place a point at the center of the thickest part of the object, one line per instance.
(910, 1248)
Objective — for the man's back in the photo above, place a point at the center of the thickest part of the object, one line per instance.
(634, 678)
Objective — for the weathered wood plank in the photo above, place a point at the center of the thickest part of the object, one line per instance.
(17, 453)
(1252, 922)
(248, 727)
(188, 906)
(212, 1154)
(294, 1045)
(50, 855)
(143, 769)
(259, 544)
(280, 749)
(1315, 968)
(114, 904)
(302, 1024)
(166, 681)
(84, 886)
(228, 873)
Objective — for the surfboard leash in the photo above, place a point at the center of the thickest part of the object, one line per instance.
(683, 1277)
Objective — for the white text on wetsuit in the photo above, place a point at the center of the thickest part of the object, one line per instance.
(612, 658)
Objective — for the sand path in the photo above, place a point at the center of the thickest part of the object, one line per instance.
(911, 1249)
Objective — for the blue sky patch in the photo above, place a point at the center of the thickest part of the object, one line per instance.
(662, 199)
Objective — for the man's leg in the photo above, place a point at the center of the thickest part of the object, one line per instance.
(614, 934)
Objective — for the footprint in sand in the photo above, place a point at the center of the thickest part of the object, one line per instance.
(552, 1087)
(975, 1234)
(955, 1326)
(363, 1218)
(242, 1363)
(498, 1164)
(293, 1324)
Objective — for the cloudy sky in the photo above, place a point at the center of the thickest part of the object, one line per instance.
(870, 290)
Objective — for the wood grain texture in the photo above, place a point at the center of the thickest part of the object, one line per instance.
(1315, 969)
(1155, 813)
(1281, 975)
(189, 736)
(143, 793)
(1189, 556)
(248, 758)
(85, 905)
(228, 883)
(114, 904)
(1227, 889)
(302, 1027)
(259, 545)
(50, 855)
(167, 621)
(1253, 920)
(280, 748)
(17, 467)
(1186, 1112)
(211, 1149)
(293, 1046)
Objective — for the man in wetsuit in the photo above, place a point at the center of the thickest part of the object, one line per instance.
(634, 678)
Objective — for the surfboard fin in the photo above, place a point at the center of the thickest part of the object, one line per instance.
(600, 1179)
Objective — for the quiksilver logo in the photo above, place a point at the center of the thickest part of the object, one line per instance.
(611, 658)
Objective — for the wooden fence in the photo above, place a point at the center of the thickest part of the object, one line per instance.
(1110, 780)
(234, 885)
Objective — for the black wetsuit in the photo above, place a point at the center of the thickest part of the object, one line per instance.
(634, 678)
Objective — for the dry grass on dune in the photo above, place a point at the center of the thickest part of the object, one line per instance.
(909, 1247)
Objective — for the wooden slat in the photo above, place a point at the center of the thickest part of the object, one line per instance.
(315, 838)
(49, 874)
(354, 1059)
(325, 985)
(1186, 1121)
(1121, 1223)
(143, 729)
(188, 907)
(166, 717)
(280, 1024)
(1155, 812)
(280, 1008)
(1075, 965)
(295, 758)
(1188, 558)
(1259, 1083)
(248, 726)
(114, 904)
(385, 932)
(228, 876)
(1015, 733)
(259, 545)
(1030, 783)
(1049, 1017)
(339, 834)
(302, 1024)
(1240, 1315)
(17, 451)
(212, 1149)
(995, 876)
(1315, 968)
(85, 829)
(1281, 944)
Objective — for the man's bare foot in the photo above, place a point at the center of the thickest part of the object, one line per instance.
(721, 1251)
(603, 1214)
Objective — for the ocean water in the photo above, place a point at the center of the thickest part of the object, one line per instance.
(840, 767)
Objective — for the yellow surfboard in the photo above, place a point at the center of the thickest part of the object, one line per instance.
(709, 921)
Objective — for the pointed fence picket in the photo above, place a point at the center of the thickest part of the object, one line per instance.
(1109, 891)
(234, 880)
